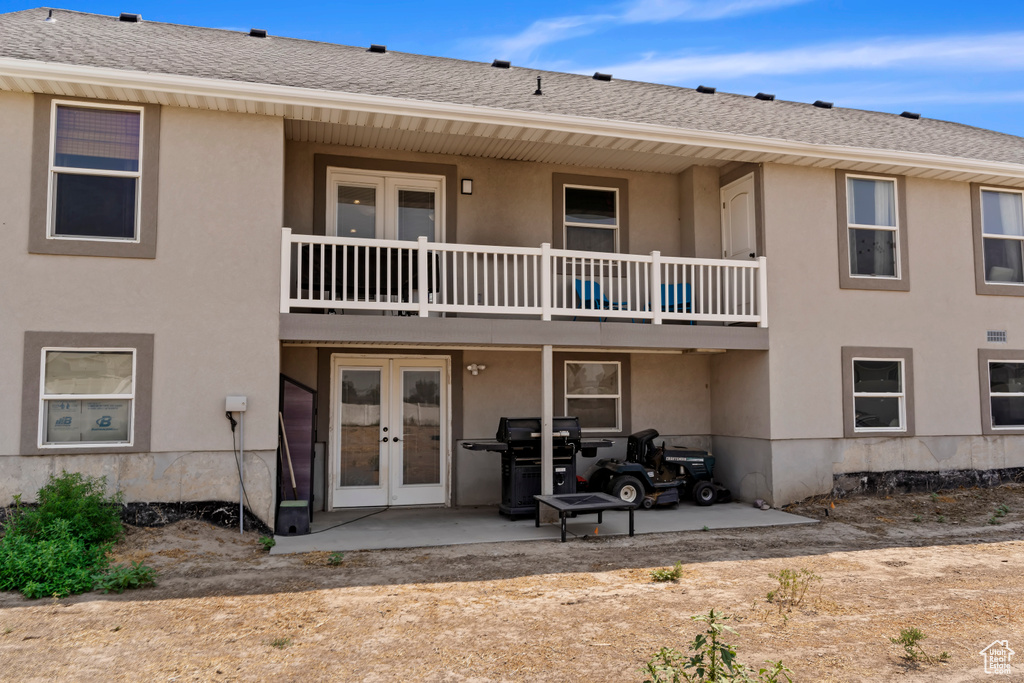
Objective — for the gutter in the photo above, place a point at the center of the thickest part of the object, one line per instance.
(20, 69)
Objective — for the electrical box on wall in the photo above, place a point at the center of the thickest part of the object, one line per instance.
(235, 404)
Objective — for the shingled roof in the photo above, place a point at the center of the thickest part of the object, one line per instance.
(100, 41)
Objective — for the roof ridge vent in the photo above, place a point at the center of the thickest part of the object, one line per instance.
(764, 96)
(598, 76)
(258, 32)
(910, 115)
(822, 104)
(130, 18)
(706, 89)
(501, 64)
(379, 49)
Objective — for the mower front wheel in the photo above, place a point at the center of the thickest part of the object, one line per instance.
(628, 489)
(704, 493)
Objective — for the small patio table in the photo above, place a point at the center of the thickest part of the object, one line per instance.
(572, 504)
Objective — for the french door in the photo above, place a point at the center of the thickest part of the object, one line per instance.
(392, 206)
(389, 435)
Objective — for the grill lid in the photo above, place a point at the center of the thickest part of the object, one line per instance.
(524, 431)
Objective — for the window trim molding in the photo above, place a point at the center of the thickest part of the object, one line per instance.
(40, 240)
(849, 353)
(982, 286)
(31, 398)
(986, 356)
(43, 398)
(625, 389)
(558, 183)
(53, 170)
(617, 397)
(322, 162)
(566, 224)
(847, 280)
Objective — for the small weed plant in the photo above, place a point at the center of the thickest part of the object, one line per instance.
(122, 577)
(669, 574)
(267, 542)
(280, 643)
(335, 559)
(910, 640)
(60, 546)
(710, 660)
(918, 518)
(934, 497)
(1000, 512)
(793, 586)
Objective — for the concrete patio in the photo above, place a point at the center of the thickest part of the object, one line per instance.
(385, 528)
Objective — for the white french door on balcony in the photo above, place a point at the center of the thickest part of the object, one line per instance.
(393, 206)
(389, 431)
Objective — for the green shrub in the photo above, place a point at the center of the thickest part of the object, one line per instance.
(672, 574)
(711, 661)
(60, 546)
(81, 501)
(267, 542)
(53, 563)
(122, 577)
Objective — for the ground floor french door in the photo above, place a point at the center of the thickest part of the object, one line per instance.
(389, 430)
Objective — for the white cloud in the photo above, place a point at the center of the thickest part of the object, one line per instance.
(654, 11)
(548, 31)
(986, 53)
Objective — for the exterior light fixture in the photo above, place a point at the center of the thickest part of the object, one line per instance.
(467, 188)
(475, 368)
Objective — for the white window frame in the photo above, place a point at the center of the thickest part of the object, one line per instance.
(387, 185)
(901, 395)
(44, 397)
(51, 192)
(566, 224)
(857, 226)
(1002, 394)
(617, 397)
(986, 236)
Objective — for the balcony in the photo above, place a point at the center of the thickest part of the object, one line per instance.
(428, 279)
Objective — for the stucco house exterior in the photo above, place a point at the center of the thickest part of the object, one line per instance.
(429, 244)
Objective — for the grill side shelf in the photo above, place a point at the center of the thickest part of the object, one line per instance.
(494, 446)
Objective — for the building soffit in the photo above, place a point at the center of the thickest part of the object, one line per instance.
(422, 126)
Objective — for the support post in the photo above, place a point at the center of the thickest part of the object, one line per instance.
(655, 280)
(547, 406)
(545, 282)
(762, 290)
(286, 267)
(421, 275)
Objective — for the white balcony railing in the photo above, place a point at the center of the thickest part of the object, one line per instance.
(424, 277)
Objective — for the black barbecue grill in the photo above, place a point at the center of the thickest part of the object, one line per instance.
(518, 439)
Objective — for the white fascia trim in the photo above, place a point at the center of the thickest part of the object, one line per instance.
(309, 97)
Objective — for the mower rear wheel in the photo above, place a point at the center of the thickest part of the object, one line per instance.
(704, 493)
(647, 503)
(628, 489)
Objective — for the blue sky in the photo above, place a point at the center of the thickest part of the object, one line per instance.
(959, 61)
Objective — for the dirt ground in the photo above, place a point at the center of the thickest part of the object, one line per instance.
(587, 610)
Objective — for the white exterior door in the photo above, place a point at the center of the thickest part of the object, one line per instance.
(739, 228)
(392, 206)
(389, 436)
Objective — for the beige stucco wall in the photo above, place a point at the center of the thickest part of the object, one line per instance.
(941, 318)
(209, 298)
(511, 200)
